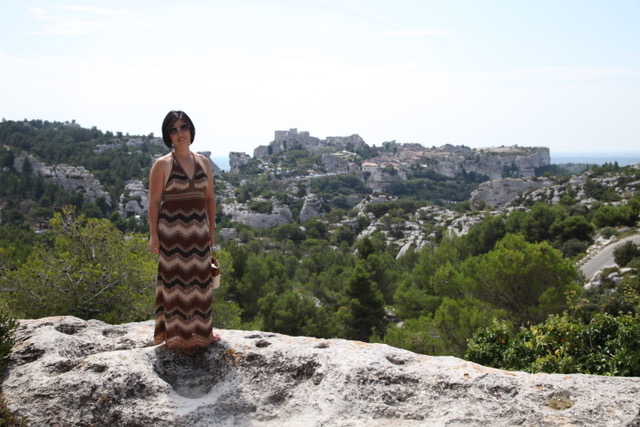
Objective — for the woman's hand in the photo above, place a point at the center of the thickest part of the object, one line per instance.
(154, 244)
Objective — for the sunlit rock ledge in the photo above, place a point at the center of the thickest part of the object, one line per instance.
(65, 371)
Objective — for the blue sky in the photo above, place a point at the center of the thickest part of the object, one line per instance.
(563, 74)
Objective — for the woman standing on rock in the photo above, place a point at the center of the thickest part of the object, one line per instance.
(182, 224)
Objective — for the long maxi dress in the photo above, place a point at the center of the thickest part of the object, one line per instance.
(184, 286)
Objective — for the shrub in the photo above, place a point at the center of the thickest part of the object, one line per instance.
(261, 207)
(625, 253)
(8, 325)
(604, 345)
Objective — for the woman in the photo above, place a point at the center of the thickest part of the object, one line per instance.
(181, 224)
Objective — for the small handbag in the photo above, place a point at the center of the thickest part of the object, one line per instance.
(215, 270)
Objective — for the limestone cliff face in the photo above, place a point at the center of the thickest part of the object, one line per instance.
(292, 139)
(68, 372)
(527, 191)
(493, 162)
(134, 199)
(501, 192)
(71, 178)
(312, 207)
(379, 178)
(236, 160)
(280, 214)
(397, 162)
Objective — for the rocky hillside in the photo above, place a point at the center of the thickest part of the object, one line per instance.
(396, 162)
(68, 372)
(71, 178)
(500, 193)
(111, 170)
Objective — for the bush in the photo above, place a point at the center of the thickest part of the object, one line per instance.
(605, 345)
(625, 253)
(8, 325)
(261, 207)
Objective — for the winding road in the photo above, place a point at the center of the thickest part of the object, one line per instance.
(604, 257)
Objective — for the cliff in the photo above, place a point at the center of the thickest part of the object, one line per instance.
(280, 214)
(500, 193)
(294, 140)
(71, 178)
(396, 162)
(68, 372)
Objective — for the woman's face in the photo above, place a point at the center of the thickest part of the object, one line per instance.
(180, 133)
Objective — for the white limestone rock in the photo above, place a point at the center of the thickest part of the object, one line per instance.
(69, 372)
(280, 214)
(312, 207)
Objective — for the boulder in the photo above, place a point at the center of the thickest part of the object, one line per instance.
(501, 192)
(228, 234)
(69, 372)
(236, 160)
(280, 214)
(313, 207)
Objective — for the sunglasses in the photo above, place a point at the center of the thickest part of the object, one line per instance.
(182, 129)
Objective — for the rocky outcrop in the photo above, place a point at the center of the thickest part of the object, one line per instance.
(339, 162)
(312, 207)
(413, 230)
(502, 192)
(72, 178)
(280, 214)
(236, 160)
(379, 177)
(228, 234)
(494, 162)
(134, 200)
(293, 140)
(214, 167)
(451, 161)
(68, 372)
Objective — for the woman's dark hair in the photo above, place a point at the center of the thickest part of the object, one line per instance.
(170, 119)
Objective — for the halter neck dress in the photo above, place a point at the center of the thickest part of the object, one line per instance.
(184, 285)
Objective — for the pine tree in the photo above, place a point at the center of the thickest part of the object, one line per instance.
(362, 313)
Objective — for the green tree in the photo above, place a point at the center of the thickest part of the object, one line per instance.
(456, 320)
(572, 227)
(482, 237)
(293, 314)
(527, 279)
(416, 334)
(614, 216)
(535, 225)
(86, 269)
(604, 345)
(362, 313)
(625, 253)
(8, 325)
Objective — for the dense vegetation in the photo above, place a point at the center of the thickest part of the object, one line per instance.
(507, 291)
(113, 159)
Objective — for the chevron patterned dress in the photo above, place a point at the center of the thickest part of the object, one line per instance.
(183, 290)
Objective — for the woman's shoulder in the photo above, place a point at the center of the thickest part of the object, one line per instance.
(166, 159)
(163, 162)
(200, 156)
(202, 159)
